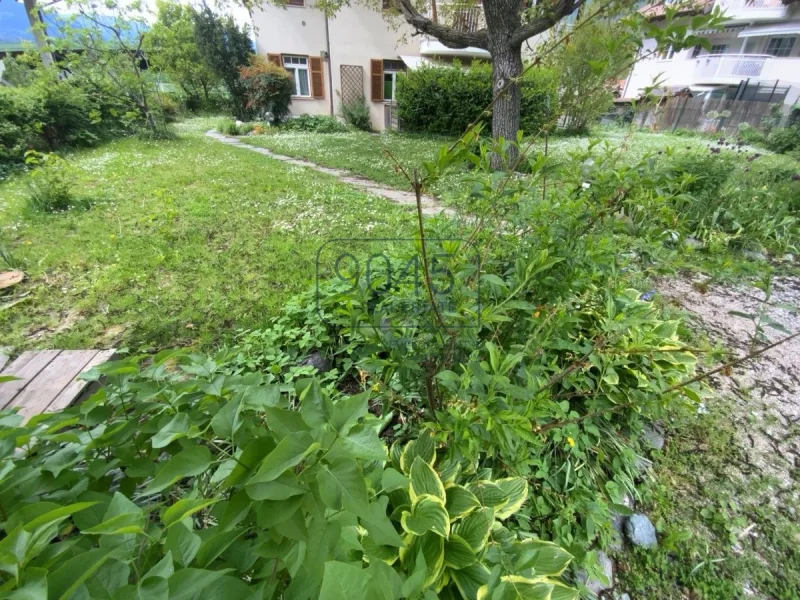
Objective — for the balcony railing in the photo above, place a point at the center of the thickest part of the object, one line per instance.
(753, 9)
(716, 66)
(461, 18)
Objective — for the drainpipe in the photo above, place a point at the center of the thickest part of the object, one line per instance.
(330, 60)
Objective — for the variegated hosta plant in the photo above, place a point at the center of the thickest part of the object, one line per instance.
(456, 544)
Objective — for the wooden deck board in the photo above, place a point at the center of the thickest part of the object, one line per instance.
(48, 379)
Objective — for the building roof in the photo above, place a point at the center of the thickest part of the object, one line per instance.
(657, 10)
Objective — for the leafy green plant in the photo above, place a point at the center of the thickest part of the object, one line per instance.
(177, 479)
(268, 89)
(314, 123)
(51, 184)
(356, 114)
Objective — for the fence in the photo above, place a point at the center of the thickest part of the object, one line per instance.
(703, 114)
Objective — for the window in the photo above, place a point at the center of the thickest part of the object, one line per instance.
(298, 3)
(696, 51)
(298, 67)
(719, 49)
(780, 46)
(390, 70)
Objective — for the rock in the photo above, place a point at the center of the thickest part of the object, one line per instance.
(596, 586)
(787, 257)
(754, 255)
(653, 436)
(640, 531)
(618, 524)
(620, 596)
(318, 361)
(693, 242)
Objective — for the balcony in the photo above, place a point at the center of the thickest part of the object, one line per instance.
(462, 18)
(753, 11)
(429, 46)
(729, 68)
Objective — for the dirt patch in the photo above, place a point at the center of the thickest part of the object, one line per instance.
(766, 390)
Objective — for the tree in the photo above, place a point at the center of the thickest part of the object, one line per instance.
(509, 24)
(37, 28)
(224, 48)
(171, 47)
(589, 66)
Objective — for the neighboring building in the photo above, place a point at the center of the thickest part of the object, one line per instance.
(756, 57)
(356, 54)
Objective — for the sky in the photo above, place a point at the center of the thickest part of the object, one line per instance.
(238, 11)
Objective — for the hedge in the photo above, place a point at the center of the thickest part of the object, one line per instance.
(445, 99)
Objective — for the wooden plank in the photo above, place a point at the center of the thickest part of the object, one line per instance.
(51, 381)
(76, 386)
(27, 366)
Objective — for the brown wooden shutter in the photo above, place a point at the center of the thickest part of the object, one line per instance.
(317, 77)
(275, 59)
(376, 79)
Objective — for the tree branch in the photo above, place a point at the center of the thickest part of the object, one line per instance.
(553, 15)
(449, 36)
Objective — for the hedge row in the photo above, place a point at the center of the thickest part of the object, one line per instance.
(445, 100)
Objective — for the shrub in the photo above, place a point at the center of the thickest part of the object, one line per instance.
(315, 123)
(445, 100)
(784, 139)
(268, 88)
(228, 127)
(356, 114)
(51, 183)
(179, 476)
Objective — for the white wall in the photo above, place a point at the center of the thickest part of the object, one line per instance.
(357, 34)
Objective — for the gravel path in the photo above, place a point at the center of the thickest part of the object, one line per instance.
(430, 206)
(765, 390)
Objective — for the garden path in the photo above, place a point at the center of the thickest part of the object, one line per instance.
(430, 206)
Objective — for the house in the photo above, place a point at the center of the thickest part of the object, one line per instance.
(755, 58)
(354, 55)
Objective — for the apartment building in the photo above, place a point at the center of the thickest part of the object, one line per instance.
(355, 54)
(755, 58)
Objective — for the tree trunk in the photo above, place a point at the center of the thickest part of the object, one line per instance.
(503, 19)
(38, 32)
(506, 66)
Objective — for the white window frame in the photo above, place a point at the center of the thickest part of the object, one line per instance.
(788, 38)
(723, 46)
(393, 73)
(293, 67)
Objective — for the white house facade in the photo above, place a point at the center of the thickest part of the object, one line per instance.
(755, 58)
(355, 54)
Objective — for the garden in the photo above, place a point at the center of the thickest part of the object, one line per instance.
(578, 380)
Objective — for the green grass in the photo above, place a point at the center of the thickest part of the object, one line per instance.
(187, 241)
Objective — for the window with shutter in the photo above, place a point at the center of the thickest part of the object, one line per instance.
(317, 78)
(376, 80)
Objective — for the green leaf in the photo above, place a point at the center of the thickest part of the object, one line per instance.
(34, 586)
(285, 486)
(515, 587)
(163, 568)
(562, 592)
(427, 514)
(393, 480)
(429, 549)
(387, 582)
(215, 545)
(177, 428)
(184, 508)
(272, 512)
(460, 502)
(342, 581)
(488, 493)
(475, 528)
(188, 583)
(64, 581)
(33, 516)
(342, 485)
(425, 481)
(182, 543)
(458, 554)
(423, 447)
(188, 463)
(289, 452)
(315, 407)
(380, 528)
(348, 411)
(227, 420)
(545, 558)
(516, 489)
(470, 579)
(363, 442)
(610, 376)
(282, 422)
(249, 459)
(122, 516)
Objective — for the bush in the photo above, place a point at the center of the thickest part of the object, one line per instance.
(315, 123)
(268, 88)
(445, 100)
(356, 114)
(784, 140)
(51, 184)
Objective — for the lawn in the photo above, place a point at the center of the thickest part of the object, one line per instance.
(186, 241)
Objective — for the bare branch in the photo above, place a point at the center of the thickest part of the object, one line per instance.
(553, 15)
(449, 36)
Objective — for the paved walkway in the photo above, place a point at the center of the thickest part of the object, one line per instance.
(430, 206)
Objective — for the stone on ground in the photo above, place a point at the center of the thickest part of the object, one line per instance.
(596, 586)
(640, 531)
